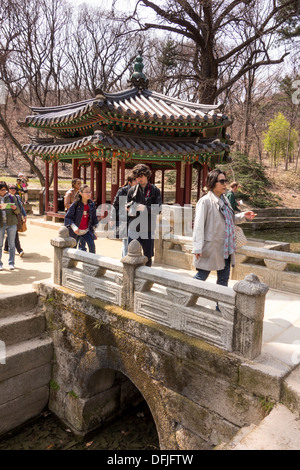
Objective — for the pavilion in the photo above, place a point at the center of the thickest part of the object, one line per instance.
(118, 130)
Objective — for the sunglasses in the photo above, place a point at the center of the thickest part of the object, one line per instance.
(222, 181)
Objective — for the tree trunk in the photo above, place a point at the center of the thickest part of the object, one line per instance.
(36, 170)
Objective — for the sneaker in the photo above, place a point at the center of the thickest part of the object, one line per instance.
(21, 254)
(12, 267)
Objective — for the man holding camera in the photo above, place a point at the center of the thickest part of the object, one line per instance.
(143, 205)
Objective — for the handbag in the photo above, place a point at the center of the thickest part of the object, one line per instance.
(21, 227)
(240, 237)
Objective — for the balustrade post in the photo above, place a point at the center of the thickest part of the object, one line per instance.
(248, 323)
(131, 261)
(62, 241)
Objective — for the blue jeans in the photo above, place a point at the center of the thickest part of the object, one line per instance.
(11, 235)
(222, 274)
(86, 238)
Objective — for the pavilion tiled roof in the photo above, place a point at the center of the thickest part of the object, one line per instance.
(140, 146)
(136, 123)
(130, 103)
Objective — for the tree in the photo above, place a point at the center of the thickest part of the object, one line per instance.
(280, 139)
(254, 185)
(219, 34)
(49, 53)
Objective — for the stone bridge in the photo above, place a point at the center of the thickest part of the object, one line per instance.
(121, 332)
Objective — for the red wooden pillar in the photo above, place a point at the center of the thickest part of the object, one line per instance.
(114, 177)
(188, 183)
(199, 170)
(55, 186)
(204, 175)
(180, 181)
(75, 169)
(84, 174)
(92, 180)
(162, 185)
(122, 172)
(46, 186)
(103, 185)
(98, 183)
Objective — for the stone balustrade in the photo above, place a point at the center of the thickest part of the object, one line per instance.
(170, 299)
(279, 269)
(269, 260)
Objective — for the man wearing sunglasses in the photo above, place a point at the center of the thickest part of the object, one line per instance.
(214, 230)
(143, 205)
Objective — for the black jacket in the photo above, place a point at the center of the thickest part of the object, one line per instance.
(148, 196)
(75, 213)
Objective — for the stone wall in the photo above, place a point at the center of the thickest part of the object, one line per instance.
(198, 395)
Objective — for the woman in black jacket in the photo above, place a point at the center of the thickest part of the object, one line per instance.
(81, 219)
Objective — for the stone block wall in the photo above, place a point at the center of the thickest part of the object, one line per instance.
(194, 390)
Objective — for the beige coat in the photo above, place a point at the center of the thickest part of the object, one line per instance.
(209, 232)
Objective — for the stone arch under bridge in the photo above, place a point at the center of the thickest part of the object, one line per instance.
(198, 394)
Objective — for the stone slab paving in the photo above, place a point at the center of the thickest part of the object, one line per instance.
(281, 335)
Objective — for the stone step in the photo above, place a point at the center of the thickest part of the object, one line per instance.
(271, 224)
(291, 388)
(21, 301)
(22, 384)
(21, 327)
(280, 430)
(16, 412)
(25, 360)
(22, 357)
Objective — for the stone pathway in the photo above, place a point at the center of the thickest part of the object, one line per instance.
(280, 355)
(281, 335)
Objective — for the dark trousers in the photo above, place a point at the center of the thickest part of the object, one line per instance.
(147, 245)
(222, 275)
(17, 244)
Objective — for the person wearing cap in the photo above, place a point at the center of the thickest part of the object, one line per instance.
(13, 191)
(24, 184)
(19, 187)
(8, 223)
(143, 205)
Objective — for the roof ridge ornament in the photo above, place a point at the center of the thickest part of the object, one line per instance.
(138, 79)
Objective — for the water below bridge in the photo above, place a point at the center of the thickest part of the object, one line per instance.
(288, 235)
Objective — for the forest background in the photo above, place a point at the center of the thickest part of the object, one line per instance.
(243, 55)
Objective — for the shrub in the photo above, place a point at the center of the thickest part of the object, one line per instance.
(252, 179)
